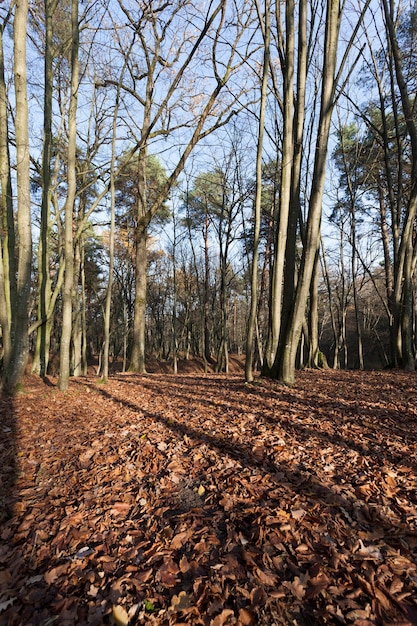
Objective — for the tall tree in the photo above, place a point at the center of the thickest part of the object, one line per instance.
(266, 31)
(67, 293)
(21, 306)
(40, 362)
(166, 65)
(292, 316)
(286, 355)
(403, 288)
(7, 237)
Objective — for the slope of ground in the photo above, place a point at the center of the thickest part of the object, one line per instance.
(197, 499)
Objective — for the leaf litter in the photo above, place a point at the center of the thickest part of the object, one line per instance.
(193, 499)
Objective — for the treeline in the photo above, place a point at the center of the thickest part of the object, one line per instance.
(181, 180)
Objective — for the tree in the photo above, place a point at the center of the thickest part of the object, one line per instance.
(7, 227)
(20, 304)
(287, 322)
(388, 162)
(40, 363)
(403, 288)
(266, 30)
(171, 61)
(67, 293)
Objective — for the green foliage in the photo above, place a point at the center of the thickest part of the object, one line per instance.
(149, 606)
(206, 199)
(127, 188)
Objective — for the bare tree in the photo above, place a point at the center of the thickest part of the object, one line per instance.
(171, 58)
(292, 317)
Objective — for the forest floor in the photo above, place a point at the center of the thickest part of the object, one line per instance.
(199, 499)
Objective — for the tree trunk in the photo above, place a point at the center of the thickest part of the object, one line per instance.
(403, 277)
(76, 330)
(107, 306)
(7, 235)
(67, 292)
(206, 328)
(313, 317)
(20, 313)
(325, 271)
(360, 363)
(286, 364)
(285, 194)
(294, 216)
(137, 359)
(41, 357)
(252, 321)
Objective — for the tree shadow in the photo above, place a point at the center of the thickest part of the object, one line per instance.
(21, 583)
(368, 417)
(306, 483)
(8, 467)
(236, 544)
(10, 557)
(281, 478)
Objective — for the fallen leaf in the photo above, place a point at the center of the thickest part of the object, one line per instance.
(221, 619)
(298, 514)
(86, 458)
(181, 601)
(297, 588)
(369, 552)
(120, 615)
(120, 508)
(246, 618)
(168, 573)
(265, 577)
(180, 539)
(52, 575)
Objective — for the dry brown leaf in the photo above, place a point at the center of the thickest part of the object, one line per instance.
(143, 577)
(120, 615)
(357, 614)
(86, 458)
(267, 578)
(333, 500)
(180, 539)
(222, 619)
(297, 587)
(298, 514)
(246, 618)
(181, 601)
(168, 573)
(52, 575)
(120, 508)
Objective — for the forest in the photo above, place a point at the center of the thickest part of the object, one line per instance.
(208, 244)
(199, 181)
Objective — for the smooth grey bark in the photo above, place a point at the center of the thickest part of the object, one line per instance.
(7, 235)
(288, 352)
(67, 291)
(313, 317)
(285, 190)
(294, 216)
(403, 275)
(326, 276)
(252, 325)
(20, 311)
(41, 356)
(107, 306)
